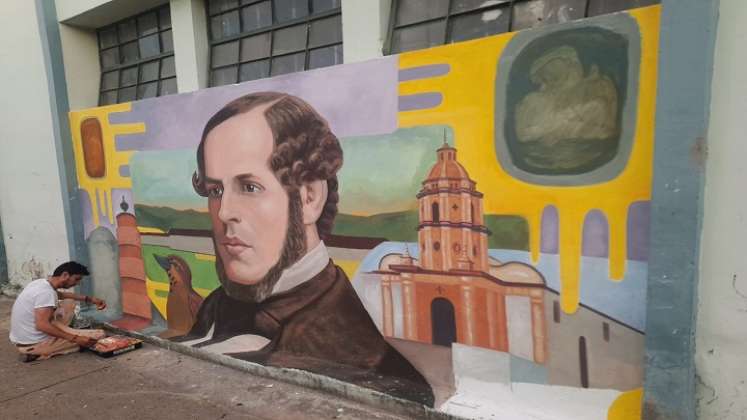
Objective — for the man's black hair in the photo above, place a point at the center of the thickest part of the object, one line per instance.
(72, 268)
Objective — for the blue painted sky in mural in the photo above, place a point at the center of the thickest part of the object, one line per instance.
(624, 301)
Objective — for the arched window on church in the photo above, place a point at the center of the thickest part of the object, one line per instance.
(434, 212)
(472, 213)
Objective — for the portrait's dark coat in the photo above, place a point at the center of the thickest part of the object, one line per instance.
(319, 326)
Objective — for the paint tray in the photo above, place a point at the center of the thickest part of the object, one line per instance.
(116, 344)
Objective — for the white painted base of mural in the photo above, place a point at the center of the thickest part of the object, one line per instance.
(489, 400)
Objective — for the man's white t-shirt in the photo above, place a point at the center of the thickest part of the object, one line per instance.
(37, 294)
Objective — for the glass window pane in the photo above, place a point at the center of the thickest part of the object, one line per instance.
(535, 13)
(476, 25)
(225, 25)
(325, 31)
(225, 54)
(110, 80)
(286, 10)
(108, 37)
(108, 98)
(254, 70)
(128, 76)
(149, 71)
(254, 47)
(127, 31)
(164, 17)
(147, 24)
(288, 63)
(168, 69)
(127, 94)
(289, 39)
(217, 6)
(110, 57)
(167, 42)
(148, 90)
(327, 56)
(601, 7)
(324, 5)
(417, 37)
(224, 76)
(256, 16)
(467, 5)
(411, 11)
(129, 52)
(149, 46)
(168, 86)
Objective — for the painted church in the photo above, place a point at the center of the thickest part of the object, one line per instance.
(455, 292)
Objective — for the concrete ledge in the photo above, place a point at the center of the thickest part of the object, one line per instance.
(296, 377)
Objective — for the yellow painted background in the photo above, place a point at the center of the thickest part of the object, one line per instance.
(468, 107)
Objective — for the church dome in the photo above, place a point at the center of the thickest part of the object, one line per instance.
(447, 166)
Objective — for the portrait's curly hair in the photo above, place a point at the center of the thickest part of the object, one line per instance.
(305, 149)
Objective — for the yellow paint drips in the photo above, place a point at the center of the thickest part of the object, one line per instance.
(468, 107)
(627, 406)
(100, 189)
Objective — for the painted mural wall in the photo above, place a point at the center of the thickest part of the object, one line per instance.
(464, 226)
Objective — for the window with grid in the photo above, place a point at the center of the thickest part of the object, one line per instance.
(137, 58)
(252, 39)
(417, 24)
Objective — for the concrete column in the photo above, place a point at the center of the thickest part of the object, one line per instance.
(191, 50)
(364, 28)
(80, 54)
(722, 293)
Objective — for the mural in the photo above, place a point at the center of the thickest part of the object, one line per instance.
(465, 227)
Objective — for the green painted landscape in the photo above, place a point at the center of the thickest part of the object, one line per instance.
(507, 232)
(203, 272)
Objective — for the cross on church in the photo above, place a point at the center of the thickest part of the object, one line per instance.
(440, 290)
(454, 207)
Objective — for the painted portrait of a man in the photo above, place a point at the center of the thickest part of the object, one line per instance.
(267, 164)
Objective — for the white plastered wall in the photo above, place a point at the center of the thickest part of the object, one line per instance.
(34, 229)
(722, 317)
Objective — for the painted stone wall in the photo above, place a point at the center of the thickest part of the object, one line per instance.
(464, 226)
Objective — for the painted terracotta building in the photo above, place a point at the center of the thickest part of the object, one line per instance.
(456, 292)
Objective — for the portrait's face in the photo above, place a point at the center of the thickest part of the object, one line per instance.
(248, 205)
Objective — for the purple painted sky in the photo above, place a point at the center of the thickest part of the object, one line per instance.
(357, 99)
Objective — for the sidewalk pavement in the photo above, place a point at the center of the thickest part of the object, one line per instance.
(153, 383)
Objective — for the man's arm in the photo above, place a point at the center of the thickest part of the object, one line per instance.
(43, 320)
(100, 304)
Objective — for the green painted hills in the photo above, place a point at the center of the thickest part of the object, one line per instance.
(508, 232)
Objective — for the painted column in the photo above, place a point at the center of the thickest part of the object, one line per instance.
(468, 309)
(409, 310)
(492, 336)
(501, 321)
(386, 297)
(538, 328)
